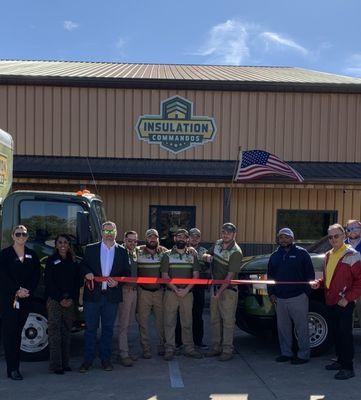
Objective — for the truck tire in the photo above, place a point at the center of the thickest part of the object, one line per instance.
(34, 338)
(319, 328)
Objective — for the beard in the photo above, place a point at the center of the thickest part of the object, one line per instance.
(181, 245)
(151, 246)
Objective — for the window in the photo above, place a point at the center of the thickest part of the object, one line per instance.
(46, 219)
(168, 219)
(307, 225)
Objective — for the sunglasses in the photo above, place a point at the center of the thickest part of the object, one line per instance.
(338, 235)
(109, 231)
(19, 234)
(352, 229)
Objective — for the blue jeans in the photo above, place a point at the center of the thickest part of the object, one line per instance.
(105, 312)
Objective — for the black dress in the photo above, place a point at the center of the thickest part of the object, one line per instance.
(13, 275)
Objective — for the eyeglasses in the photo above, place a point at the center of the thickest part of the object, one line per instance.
(338, 235)
(19, 234)
(132, 240)
(109, 231)
(352, 229)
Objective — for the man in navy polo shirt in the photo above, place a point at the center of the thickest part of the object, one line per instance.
(291, 263)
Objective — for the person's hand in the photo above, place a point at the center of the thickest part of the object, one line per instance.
(273, 299)
(66, 303)
(182, 292)
(315, 285)
(342, 302)
(89, 277)
(22, 293)
(192, 251)
(207, 258)
(111, 282)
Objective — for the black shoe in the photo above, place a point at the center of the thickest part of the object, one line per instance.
(15, 375)
(85, 367)
(343, 374)
(335, 366)
(298, 361)
(67, 369)
(107, 365)
(59, 371)
(283, 358)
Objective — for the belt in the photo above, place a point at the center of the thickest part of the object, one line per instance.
(150, 290)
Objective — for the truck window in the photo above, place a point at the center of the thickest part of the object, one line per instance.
(46, 219)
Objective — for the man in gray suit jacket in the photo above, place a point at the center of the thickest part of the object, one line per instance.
(101, 299)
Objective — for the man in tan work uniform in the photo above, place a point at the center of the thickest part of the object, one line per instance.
(150, 297)
(225, 258)
(126, 310)
(179, 263)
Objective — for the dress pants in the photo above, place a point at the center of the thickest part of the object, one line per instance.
(13, 321)
(341, 328)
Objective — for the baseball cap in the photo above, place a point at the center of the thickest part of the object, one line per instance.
(194, 232)
(150, 232)
(182, 232)
(229, 227)
(287, 232)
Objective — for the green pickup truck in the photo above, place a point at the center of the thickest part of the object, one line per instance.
(256, 314)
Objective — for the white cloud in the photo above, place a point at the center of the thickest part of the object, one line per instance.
(235, 42)
(353, 65)
(276, 38)
(227, 43)
(70, 25)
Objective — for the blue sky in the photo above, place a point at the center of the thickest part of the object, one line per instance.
(319, 34)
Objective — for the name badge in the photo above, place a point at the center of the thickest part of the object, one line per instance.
(292, 256)
(28, 256)
(57, 262)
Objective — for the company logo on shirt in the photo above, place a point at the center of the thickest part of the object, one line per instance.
(176, 128)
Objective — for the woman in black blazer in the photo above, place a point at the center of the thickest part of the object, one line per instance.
(62, 283)
(19, 277)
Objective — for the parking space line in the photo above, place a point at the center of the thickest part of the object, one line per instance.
(175, 375)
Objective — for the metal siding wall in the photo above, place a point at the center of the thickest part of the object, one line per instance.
(100, 123)
(254, 210)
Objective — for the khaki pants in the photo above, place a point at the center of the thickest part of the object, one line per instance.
(223, 312)
(148, 301)
(171, 305)
(60, 322)
(126, 317)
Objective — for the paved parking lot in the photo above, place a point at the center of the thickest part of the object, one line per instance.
(251, 375)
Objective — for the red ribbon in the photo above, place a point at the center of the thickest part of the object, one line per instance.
(181, 281)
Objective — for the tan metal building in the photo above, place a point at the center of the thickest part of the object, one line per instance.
(161, 142)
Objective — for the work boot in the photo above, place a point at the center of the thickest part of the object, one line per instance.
(213, 353)
(225, 357)
(193, 354)
(126, 361)
(107, 366)
(147, 354)
(168, 356)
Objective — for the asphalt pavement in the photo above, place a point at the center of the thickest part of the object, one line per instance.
(251, 375)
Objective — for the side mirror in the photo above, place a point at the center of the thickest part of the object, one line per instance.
(82, 228)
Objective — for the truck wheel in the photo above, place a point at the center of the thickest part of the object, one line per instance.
(34, 338)
(318, 324)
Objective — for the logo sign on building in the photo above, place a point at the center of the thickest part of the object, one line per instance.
(176, 128)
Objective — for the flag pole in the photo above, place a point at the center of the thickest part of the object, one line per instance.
(234, 176)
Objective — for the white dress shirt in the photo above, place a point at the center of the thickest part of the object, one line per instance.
(106, 261)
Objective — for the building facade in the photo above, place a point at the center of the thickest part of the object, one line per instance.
(160, 143)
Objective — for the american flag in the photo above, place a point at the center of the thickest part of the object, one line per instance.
(256, 163)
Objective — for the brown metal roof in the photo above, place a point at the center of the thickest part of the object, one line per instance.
(215, 76)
